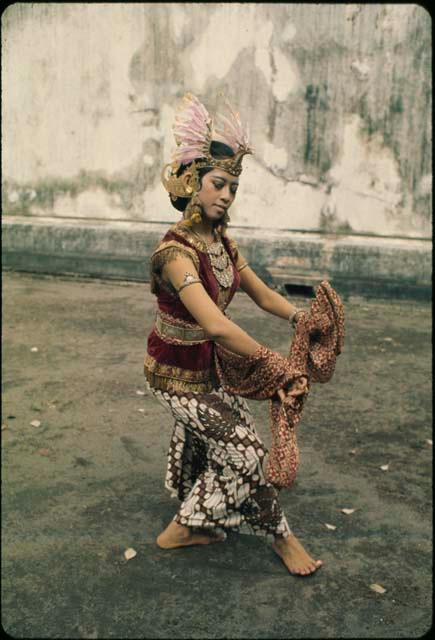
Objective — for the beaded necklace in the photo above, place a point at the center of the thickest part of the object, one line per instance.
(220, 262)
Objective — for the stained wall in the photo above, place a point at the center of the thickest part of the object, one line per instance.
(337, 97)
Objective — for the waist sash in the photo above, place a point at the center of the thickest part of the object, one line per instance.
(175, 331)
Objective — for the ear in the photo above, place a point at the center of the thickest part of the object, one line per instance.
(186, 178)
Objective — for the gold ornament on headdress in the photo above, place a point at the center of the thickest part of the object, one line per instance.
(177, 187)
(194, 131)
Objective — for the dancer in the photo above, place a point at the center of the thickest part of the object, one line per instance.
(216, 460)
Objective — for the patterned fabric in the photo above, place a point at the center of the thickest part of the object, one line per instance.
(319, 335)
(259, 377)
(317, 341)
(216, 465)
(184, 367)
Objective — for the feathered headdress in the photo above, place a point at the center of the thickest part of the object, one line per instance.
(194, 131)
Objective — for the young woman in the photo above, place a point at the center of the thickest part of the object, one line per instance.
(216, 459)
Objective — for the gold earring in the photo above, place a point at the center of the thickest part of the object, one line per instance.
(193, 211)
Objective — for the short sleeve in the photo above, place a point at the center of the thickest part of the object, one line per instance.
(165, 252)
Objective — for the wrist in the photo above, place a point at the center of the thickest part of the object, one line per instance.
(294, 316)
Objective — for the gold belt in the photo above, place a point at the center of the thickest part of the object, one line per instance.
(177, 333)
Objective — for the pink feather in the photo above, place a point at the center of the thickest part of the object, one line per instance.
(193, 130)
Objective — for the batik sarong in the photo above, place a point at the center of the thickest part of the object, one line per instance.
(216, 465)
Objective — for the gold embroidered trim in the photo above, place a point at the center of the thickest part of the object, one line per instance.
(234, 248)
(169, 384)
(176, 373)
(179, 322)
(169, 250)
(165, 252)
(176, 341)
(187, 234)
(174, 333)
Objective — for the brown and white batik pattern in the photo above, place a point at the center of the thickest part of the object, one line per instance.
(216, 465)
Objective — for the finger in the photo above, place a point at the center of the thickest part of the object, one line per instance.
(298, 389)
(296, 392)
(281, 395)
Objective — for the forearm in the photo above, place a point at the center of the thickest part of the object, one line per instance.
(278, 305)
(233, 338)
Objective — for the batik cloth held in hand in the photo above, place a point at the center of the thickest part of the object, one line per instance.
(317, 341)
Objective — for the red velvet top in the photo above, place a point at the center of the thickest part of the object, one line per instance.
(170, 365)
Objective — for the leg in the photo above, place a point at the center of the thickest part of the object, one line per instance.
(290, 550)
(232, 492)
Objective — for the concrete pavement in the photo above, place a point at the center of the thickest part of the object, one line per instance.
(87, 483)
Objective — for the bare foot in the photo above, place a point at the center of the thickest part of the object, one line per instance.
(176, 535)
(294, 556)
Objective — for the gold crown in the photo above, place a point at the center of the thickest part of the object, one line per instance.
(193, 132)
(176, 187)
(232, 165)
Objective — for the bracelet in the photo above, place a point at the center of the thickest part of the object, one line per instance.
(294, 318)
(245, 264)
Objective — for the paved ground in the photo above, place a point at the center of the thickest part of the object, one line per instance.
(88, 482)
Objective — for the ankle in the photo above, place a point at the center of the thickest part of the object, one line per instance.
(283, 541)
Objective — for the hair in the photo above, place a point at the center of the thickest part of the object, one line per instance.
(217, 150)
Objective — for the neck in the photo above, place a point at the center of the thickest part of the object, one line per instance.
(204, 228)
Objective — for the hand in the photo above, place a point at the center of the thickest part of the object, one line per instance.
(298, 387)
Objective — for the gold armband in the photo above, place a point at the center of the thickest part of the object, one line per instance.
(186, 284)
(245, 264)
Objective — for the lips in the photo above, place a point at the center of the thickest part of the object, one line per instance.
(222, 209)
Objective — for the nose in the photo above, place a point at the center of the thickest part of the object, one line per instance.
(226, 194)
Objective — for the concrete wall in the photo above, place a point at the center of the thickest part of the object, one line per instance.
(106, 249)
(338, 98)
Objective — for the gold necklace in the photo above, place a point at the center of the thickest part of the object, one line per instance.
(220, 261)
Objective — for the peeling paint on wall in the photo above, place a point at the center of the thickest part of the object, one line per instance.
(338, 99)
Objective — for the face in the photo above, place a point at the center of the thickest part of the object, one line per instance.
(217, 193)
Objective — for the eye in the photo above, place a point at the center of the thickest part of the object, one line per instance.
(218, 185)
(234, 188)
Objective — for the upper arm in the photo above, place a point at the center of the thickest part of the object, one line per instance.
(251, 284)
(194, 297)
